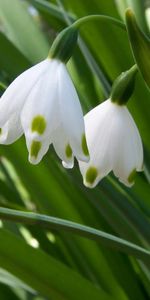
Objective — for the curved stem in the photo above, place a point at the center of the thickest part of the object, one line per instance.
(104, 18)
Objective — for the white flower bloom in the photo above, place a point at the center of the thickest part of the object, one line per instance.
(42, 102)
(114, 144)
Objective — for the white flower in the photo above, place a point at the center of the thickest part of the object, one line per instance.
(42, 102)
(114, 144)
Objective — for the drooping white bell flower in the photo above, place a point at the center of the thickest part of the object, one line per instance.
(114, 144)
(43, 104)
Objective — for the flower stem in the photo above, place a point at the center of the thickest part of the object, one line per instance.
(66, 40)
(102, 18)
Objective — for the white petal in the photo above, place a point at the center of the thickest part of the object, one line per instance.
(68, 165)
(11, 131)
(71, 114)
(114, 144)
(98, 130)
(42, 105)
(62, 147)
(128, 154)
(15, 95)
(138, 147)
(37, 149)
(39, 116)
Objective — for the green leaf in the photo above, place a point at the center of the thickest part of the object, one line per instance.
(51, 13)
(43, 273)
(11, 59)
(22, 30)
(11, 281)
(7, 293)
(139, 8)
(140, 44)
(91, 233)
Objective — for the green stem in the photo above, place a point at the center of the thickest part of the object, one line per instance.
(102, 18)
(65, 42)
(85, 231)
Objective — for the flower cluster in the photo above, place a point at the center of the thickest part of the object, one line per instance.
(43, 104)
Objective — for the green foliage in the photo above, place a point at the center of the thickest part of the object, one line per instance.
(44, 205)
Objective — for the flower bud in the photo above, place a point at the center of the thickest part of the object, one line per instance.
(64, 44)
(123, 86)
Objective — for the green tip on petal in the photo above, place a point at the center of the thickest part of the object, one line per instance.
(0, 131)
(131, 177)
(91, 175)
(68, 151)
(38, 124)
(84, 146)
(140, 44)
(35, 148)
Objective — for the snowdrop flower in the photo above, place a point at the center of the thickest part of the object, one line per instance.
(113, 141)
(43, 104)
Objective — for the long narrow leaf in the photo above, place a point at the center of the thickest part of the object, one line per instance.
(91, 233)
(43, 273)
